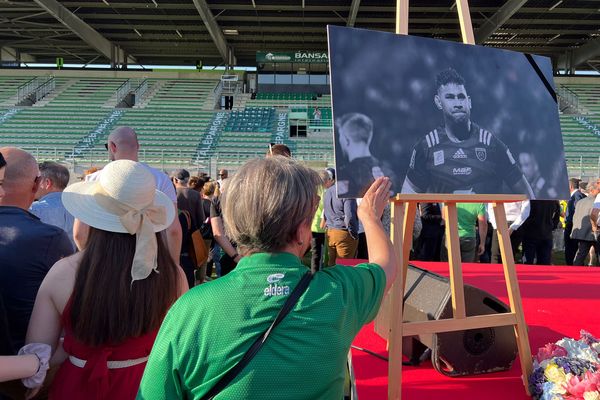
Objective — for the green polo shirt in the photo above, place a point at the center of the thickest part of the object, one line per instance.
(208, 330)
(467, 214)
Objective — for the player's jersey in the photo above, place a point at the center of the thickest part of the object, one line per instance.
(479, 164)
(354, 178)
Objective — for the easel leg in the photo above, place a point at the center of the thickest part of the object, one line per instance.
(453, 246)
(514, 294)
(403, 215)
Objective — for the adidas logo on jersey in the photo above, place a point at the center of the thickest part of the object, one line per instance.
(459, 154)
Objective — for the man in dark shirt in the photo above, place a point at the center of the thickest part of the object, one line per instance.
(341, 220)
(355, 135)
(28, 247)
(460, 156)
(537, 232)
(432, 232)
(190, 201)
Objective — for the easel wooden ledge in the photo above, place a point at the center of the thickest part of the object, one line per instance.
(389, 323)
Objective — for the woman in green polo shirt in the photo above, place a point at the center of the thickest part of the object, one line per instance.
(208, 331)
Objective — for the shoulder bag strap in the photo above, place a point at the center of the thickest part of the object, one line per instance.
(287, 307)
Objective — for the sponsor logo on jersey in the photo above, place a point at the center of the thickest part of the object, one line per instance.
(462, 171)
(274, 289)
(481, 153)
(275, 277)
(459, 154)
(411, 165)
(438, 157)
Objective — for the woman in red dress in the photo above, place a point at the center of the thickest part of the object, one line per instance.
(109, 299)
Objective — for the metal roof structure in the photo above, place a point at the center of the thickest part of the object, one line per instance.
(180, 32)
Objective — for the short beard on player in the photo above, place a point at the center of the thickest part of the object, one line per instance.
(459, 128)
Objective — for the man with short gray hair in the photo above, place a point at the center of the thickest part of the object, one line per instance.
(49, 208)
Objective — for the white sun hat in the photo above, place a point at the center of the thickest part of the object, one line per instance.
(124, 200)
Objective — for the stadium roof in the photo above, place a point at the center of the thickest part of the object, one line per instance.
(179, 32)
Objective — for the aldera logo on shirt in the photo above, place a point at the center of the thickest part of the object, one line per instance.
(274, 289)
(459, 154)
(462, 171)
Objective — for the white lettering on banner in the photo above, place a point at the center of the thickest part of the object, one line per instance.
(8, 115)
(212, 133)
(282, 128)
(100, 129)
(273, 57)
(312, 56)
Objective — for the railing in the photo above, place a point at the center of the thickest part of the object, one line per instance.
(45, 88)
(122, 91)
(29, 87)
(583, 166)
(230, 84)
(569, 96)
(141, 90)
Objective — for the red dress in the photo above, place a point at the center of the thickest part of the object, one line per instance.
(95, 380)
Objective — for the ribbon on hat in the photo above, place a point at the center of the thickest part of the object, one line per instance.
(140, 222)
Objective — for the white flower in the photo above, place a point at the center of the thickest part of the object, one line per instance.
(591, 395)
(579, 349)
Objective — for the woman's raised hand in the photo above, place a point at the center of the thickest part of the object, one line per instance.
(375, 199)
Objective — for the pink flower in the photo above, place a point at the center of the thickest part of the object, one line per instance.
(590, 382)
(549, 351)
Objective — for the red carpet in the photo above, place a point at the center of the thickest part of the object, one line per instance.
(558, 301)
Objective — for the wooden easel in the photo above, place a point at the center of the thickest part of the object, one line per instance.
(389, 323)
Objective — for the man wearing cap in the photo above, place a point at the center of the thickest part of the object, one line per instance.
(123, 145)
(28, 247)
(189, 200)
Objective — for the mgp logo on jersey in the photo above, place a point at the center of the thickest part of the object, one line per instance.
(274, 289)
(462, 171)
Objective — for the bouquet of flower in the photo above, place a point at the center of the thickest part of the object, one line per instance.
(567, 370)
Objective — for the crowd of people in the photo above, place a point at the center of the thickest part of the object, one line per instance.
(95, 279)
(95, 276)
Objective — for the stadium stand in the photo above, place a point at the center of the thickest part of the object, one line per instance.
(8, 89)
(175, 117)
(285, 99)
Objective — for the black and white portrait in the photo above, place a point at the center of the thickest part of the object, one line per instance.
(443, 117)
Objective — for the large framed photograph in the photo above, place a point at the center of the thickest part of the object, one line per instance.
(443, 117)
